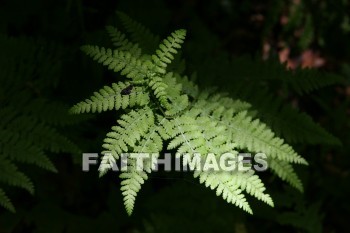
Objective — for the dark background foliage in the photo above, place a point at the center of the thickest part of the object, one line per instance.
(300, 33)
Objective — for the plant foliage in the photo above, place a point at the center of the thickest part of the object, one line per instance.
(29, 126)
(165, 108)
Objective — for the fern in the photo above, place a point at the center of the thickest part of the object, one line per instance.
(166, 108)
(131, 184)
(130, 129)
(139, 34)
(227, 187)
(167, 49)
(12, 176)
(122, 43)
(5, 201)
(302, 81)
(255, 136)
(286, 172)
(251, 80)
(109, 98)
(30, 124)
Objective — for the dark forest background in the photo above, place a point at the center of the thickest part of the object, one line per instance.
(292, 35)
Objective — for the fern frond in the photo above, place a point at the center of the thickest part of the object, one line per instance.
(205, 136)
(116, 60)
(245, 132)
(178, 65)
(174, 88)
(29, 126)
(107, 162)
(131, 183)
(186, 135)
(165, 54)
(122, 43)
(255, 136)
(225, 188)
(159, 90)
(26, 152)
(131, 128)
(178, 104)
(187, 86)
(151, 141)
(109, 98)
(252, 184)
(34, 131)
(286, 172)
(304, 81)
(133, 177)
(219, 105)
(231, 184)
(139, 34)
(286, 122)
(297, 127)
(300, 80)
(11, 176)
(5, 201)
(53, 113)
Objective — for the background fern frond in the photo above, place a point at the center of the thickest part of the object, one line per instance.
(11, 175)
(284, 119)
(300, 80)
(139, 34)
(25, 152)
(122, 43)
(6, 202)
(30, 126)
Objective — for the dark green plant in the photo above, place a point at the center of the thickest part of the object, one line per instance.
(29, 126)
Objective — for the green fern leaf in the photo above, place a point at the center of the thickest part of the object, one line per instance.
(122, 43)
(109, 98)
(29, 126)
(33, 155)
(253, 185)
(131, 184)
(286, 172)
(12, 176)
(117, 61)
(165, 54)
(130, 130)
(287, 122)
(5, 201)
(139, 33)
(255, 136)
(229, 190)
